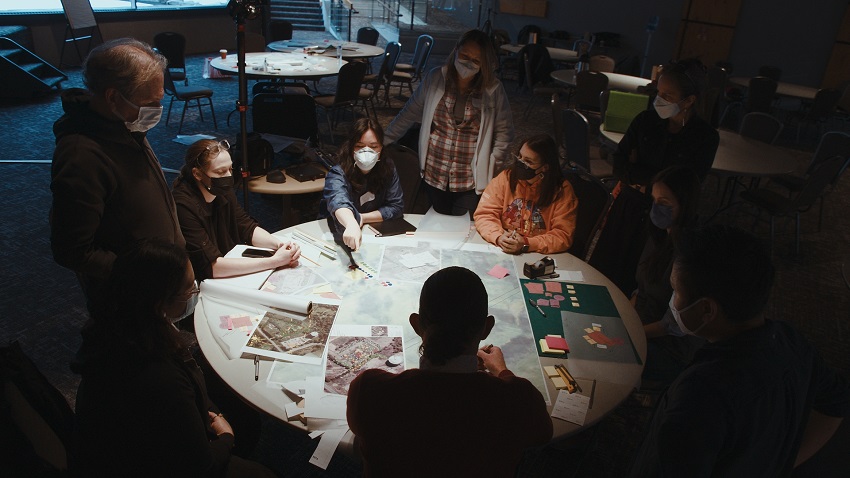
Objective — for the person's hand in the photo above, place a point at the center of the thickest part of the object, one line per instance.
(287, 255)
(510, 243)
(219, 424)
(492, 359)
(351, 237)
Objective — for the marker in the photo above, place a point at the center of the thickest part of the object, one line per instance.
(537, 307)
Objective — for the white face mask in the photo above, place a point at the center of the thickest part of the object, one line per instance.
(366, 158)
(191, 302)
(664, 108)
(149, 117)
(677, 315)
(465, 68)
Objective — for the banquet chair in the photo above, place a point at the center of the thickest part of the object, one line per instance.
(777, 205)
(367, 36)
(405, 74)
(406, 163)
(377, 80)
(760, 94)
(602, 63)
(589, 84)
(575, 133)
(347, 92)
(593, 203)
(285, 114)
(186, 94)
(536, 66)
(821, 110)
(760, 126)
(525, 32)
(279, 30)
(508, 62)
(173, 47)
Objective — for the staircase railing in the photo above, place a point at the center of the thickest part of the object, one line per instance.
(340, 15)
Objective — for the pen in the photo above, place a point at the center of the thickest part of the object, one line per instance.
(537, 307)
(592, 392)
(488, 348)
(256, 368)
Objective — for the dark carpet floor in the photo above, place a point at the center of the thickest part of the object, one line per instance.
(42, 307)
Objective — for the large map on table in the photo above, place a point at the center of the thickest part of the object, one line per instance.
(384, 289)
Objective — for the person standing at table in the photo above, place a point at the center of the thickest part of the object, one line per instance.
(142, 407)
(757, 400)
(363, 188)
(448, 417)
(466, 125)
(529, 207)
(675, 200)
(213, 222)
(107, 183)
(671, 132)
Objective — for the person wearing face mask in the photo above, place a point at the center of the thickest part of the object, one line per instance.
(213, 222)
(675, 200)
(107, 183)
(363, 188)
(466, 123)
(529, 207)
(757, 399)
(142, 406)
(670, 132)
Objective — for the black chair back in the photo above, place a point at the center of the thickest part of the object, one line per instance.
(760, 94)
(833, 143)
(424, 44)
(172, 45)
(368, 36)
(292, 115)
(280, 30)
(575, 136)
(539, 62)
(593, 203)
(760, 126)
(348, 82)
(589, 84)
(406, 163)
(526, 31)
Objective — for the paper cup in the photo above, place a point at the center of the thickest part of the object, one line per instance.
(223, 54)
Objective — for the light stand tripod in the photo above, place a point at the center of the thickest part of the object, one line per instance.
(242, 10)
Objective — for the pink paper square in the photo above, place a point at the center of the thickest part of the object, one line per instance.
(555, 303)
(543, 302)
(241, 321)
(553, 286)
(534, 287)
(498, 272)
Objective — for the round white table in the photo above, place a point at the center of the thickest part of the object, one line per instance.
(782, 88)
(350, 49)
(616, 81)
(556, 54)
(286, 190)
(614, 381)
(280, 65)
(741, 156)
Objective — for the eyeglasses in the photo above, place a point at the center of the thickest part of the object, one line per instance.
(523, 161)
(213, 150)
(192, 292)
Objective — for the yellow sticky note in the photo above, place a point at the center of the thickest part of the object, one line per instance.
(550, 371)
(545, 348)
(559, 383)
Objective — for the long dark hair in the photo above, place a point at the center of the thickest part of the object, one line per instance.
(375, 180)
(683, 182)
(148, 274)
(550, 186)
(452, 308)
(486, 75)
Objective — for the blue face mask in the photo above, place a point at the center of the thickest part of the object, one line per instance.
(661, 215)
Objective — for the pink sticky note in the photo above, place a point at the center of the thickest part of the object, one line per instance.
(555, 303)
(498, 272)
(553, 286)
(548, 294)
(544, 302)
(558, 297)
(229, 323)
(241, 321)
(534, 287)
(225, 322)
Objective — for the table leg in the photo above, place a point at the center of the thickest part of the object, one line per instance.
(288, 215)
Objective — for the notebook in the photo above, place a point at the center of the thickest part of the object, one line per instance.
(392, 227)
(306, 172)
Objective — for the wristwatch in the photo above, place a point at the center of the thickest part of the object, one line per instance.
(524, 246)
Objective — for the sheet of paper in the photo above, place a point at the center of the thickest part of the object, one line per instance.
(412, 261)
(327, 446)
(292, 410)
(571, 407)
(192, 138)
(565, 275)
(318, 404)
(436, 222)
(498, 272)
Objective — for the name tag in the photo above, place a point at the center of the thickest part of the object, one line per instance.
(368, 196)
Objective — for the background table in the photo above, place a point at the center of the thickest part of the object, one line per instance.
(741, 156)
(286, 190)
(283, 65)
(616, 81)
(784, 89)
(350, 49)
(557, 54)
(615, 381)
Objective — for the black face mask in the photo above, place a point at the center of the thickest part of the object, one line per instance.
(521, 171)
(220, 186)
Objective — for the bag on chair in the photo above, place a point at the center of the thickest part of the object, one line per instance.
(260, 156)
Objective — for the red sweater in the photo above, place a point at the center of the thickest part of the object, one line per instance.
(428, 423)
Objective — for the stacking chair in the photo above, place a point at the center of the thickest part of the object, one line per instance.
(589, 84)
(833, 143)
(507, 61)
(760, 126)
(536, 67)
(777, 205)
(760, 94)
(279, 30)
(285, 114)
(593, 203)
(347, 92)
(525, 33)
(406, 163)
(772, 72)
(405, 74)
(376, 80)
(186, 94)
(821, 110)
(575, 132)
(582, 47)
(368, 36)
(602, 63)
(173, 47)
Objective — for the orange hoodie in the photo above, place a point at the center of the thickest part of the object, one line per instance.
(549, 230)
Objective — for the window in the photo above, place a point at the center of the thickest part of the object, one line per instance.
(55, 6)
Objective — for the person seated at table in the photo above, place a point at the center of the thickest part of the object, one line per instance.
(466, 125)
(675, 197)
(670, 132)
(757, 400)
(142, 407)
(212, 220)
(529, 207)
(363, 188)
(448, 417)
